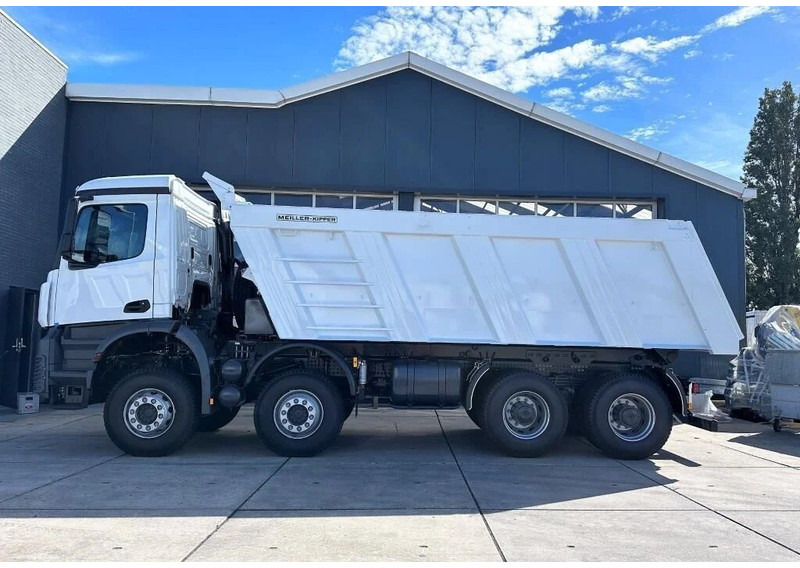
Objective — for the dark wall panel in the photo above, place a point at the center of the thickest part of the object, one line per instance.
(84, 150)
(718, 225)
(363, 141)
(317, 127)
(128, 154)
(452, 138)
(541, 159)
(497, 152)
(176, 141)
(408, 131)
(223, 137)
(679, 195)
(270, 147)
(629, 177)
(585, 168)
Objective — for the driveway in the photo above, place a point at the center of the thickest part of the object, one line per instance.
(398, 485)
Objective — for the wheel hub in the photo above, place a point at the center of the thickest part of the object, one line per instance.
(298, 414)
(526, 415)
(631, 417)
(149, 413)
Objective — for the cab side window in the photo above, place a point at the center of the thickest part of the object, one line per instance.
(107, 233)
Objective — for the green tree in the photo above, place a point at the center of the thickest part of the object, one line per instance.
(772, 166)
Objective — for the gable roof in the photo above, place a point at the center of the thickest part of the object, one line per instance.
(257, 98)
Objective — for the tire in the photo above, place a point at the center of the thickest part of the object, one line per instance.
(539, 417)
(221, 418)
(348, 404)
(473, 413)
(650, 418)
(290, 396)
(124, 412)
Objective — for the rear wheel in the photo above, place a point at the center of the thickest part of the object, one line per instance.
(299, 414)
(151, 412)
(627, 415)
(221, 418)
(523, 413)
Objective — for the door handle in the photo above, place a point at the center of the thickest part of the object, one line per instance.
(137, 307)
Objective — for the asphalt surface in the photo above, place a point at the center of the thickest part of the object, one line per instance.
(398, 485)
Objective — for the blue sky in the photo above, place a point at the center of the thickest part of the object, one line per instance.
(683, 80)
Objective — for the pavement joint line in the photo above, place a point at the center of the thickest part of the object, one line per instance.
(236, 510)
(59, 425)
(716, 512)
(62, 478)
(365, 509)
(469, 488)
(758, 457)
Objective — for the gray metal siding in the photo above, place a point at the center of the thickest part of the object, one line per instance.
(403, 132)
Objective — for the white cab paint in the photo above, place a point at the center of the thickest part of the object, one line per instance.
(180, 250)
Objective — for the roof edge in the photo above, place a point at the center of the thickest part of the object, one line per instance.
(257, 98)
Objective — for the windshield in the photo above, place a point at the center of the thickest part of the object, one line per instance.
(107, 233)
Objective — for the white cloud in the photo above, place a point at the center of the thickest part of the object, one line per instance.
(504, 46)
(601, 108)
(692, 53)
(76, 41)
(651, 48)
(105, 59)
(647, 132)
(623, 87)
(736, 18)
(560, 92)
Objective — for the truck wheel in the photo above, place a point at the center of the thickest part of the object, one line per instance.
(151, 412)
(221, 418)
(627, 416)
(524, 414)
(299, 414)
(349, 405)
(473, 413)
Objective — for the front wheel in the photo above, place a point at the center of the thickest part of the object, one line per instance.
(299, 414)
(151, 412)
(523, 413)
(627, 416)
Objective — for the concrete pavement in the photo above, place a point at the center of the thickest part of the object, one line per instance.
(398, 485)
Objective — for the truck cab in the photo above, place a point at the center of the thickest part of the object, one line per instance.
(135, 249)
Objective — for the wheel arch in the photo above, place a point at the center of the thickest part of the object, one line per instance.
(170, 328)
(308, 346)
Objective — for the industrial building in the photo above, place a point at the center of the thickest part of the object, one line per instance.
(403, 133)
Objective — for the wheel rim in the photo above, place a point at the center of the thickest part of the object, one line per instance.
(149, 413)
(298, 414)
(631, 417)
(526, 415)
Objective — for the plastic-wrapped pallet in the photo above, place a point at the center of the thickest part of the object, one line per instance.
(777, 332)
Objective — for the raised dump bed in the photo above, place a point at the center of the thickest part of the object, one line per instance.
(394, 276)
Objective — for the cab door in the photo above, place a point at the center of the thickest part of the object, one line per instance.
(107, 273)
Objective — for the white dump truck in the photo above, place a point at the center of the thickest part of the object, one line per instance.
(175, 311)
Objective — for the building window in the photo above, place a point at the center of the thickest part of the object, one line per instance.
(609, 208)
(300, 198)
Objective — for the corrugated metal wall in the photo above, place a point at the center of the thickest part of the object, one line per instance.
(403, 132)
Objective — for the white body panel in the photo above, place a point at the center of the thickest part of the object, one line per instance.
(334, 274)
